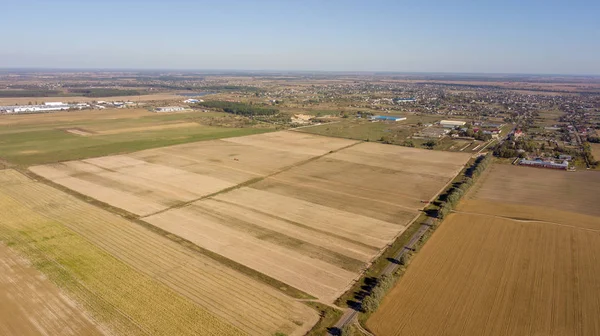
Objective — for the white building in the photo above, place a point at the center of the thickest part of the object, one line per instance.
(35, 108)
(193, 101)
(452, 123)
(170, 109)
(54, 103)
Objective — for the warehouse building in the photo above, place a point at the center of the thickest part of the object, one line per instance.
(564, 165)
(47, 107)
(452, 123)
(170, 109)
(387, 118)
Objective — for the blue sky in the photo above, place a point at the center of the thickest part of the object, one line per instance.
(556, 37)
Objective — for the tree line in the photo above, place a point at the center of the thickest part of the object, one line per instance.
(377, 288)
(239, 108)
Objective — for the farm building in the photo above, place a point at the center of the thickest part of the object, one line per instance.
(387, 118)
(192, 101)
(452, 123)
(170, 109)
(538, 162)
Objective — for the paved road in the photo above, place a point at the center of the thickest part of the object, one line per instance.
(350, 313)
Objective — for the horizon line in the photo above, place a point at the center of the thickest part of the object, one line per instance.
(392, 72)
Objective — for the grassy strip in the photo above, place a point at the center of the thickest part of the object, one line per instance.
(329, 316)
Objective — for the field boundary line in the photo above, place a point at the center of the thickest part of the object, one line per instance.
(525, 220)
(251, 181)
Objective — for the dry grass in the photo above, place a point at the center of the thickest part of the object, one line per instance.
(133, 279)
(32, 305)
(480, 275)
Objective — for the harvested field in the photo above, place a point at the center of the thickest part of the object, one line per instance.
(480, 275)
(530, 213)
(306, 210)
(293, 142)
(32, 305)
(133, 279)
(552, 189)
(405, 159)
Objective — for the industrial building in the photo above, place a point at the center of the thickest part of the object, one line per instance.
(170, 109)
(47, 107)
(387, 118)
(452, 123)
(404, 100)
(538, 162)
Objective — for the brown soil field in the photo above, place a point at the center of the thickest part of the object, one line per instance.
(136, 99)
(212, 298)
(32, 305)
(481, 275)
(553, 189)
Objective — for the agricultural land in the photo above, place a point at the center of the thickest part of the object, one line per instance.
(518, 256)
(32, 305)
(131, 279)
(27, 139)
(272, 202)
(287, 204)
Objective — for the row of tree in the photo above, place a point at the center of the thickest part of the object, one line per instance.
(239, 108)
(457, 192)
(375, 289)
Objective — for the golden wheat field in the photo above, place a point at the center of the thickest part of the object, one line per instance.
(306, 210)
(483, 275)
(133, 280)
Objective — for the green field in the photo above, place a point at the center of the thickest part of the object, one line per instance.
(389, 132)
(45, 140)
